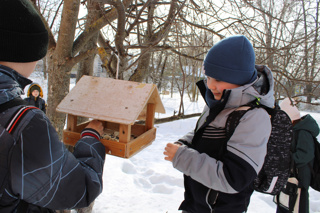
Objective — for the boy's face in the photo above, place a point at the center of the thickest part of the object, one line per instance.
(217, 87)
(35, 93)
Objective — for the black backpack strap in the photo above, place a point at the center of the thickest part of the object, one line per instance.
(232, 122)
(14, 102)
(233, 119)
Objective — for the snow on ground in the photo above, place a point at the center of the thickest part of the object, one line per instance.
(146, 183)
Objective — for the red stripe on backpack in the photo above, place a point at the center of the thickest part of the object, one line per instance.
(17, 117)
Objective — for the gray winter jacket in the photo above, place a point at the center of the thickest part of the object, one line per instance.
(232, 175)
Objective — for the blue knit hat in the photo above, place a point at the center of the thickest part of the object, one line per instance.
(231, 60)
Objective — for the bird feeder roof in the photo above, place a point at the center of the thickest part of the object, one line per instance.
(111, 100)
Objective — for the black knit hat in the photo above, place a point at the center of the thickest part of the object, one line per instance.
(34, 87)
(23, 36)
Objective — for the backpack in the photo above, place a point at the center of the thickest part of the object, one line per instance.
(276, 168)
(7, 143)
(315, 179)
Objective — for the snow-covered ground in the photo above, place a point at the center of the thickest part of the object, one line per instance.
(146, 183)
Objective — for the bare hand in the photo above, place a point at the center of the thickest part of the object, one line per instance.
(170, 151)
(96, 125)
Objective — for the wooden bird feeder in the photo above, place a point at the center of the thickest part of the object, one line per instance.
(119, 104)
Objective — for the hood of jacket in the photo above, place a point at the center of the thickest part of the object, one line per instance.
(12, 84)
(308, 123)
(32, 85)
(261, 89)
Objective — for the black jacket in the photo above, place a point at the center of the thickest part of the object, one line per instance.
(37, 102)
(43, 172)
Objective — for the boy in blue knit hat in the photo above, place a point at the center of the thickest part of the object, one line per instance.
(224, 184)
(37, 172)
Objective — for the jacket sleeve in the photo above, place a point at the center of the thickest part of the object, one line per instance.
(46, 174)
(186, 139)
(44, 106)
(304, 152)
(244, 158)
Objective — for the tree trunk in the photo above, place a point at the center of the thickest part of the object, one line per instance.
(142, 69)
(162, 72)
(181, 107)
(59, 64)
(58, 88)
(86, 67)
(308, 87)
(44, 68)
(152, 38)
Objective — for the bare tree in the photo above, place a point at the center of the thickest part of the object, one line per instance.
(94, 13)
(310, 23)
(153, 35)
(64, 53)
(130, 32)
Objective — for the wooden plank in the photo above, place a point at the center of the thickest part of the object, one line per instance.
(124, 133)
(111, 125)
(71, 122)
(120, 149)
(114, 148)
(70, 138)
(81, 126)
(150, 116)
(155, 99)
(141, 142)
(143, 114)
(137, 129)
(108, 99)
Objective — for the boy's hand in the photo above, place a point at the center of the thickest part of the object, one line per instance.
(170, 151)
(96, 125)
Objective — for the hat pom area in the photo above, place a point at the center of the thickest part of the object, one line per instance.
(23, 35)
(231, 60)
(291, 110)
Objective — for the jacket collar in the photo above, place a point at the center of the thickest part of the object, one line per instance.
(261, 88)
(12, 84)
(23, 81)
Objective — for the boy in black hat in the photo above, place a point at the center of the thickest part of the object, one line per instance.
(215, 183)
(39, 174)
(35, 97)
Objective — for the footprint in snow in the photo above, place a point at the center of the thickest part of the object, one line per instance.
(128, 168)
